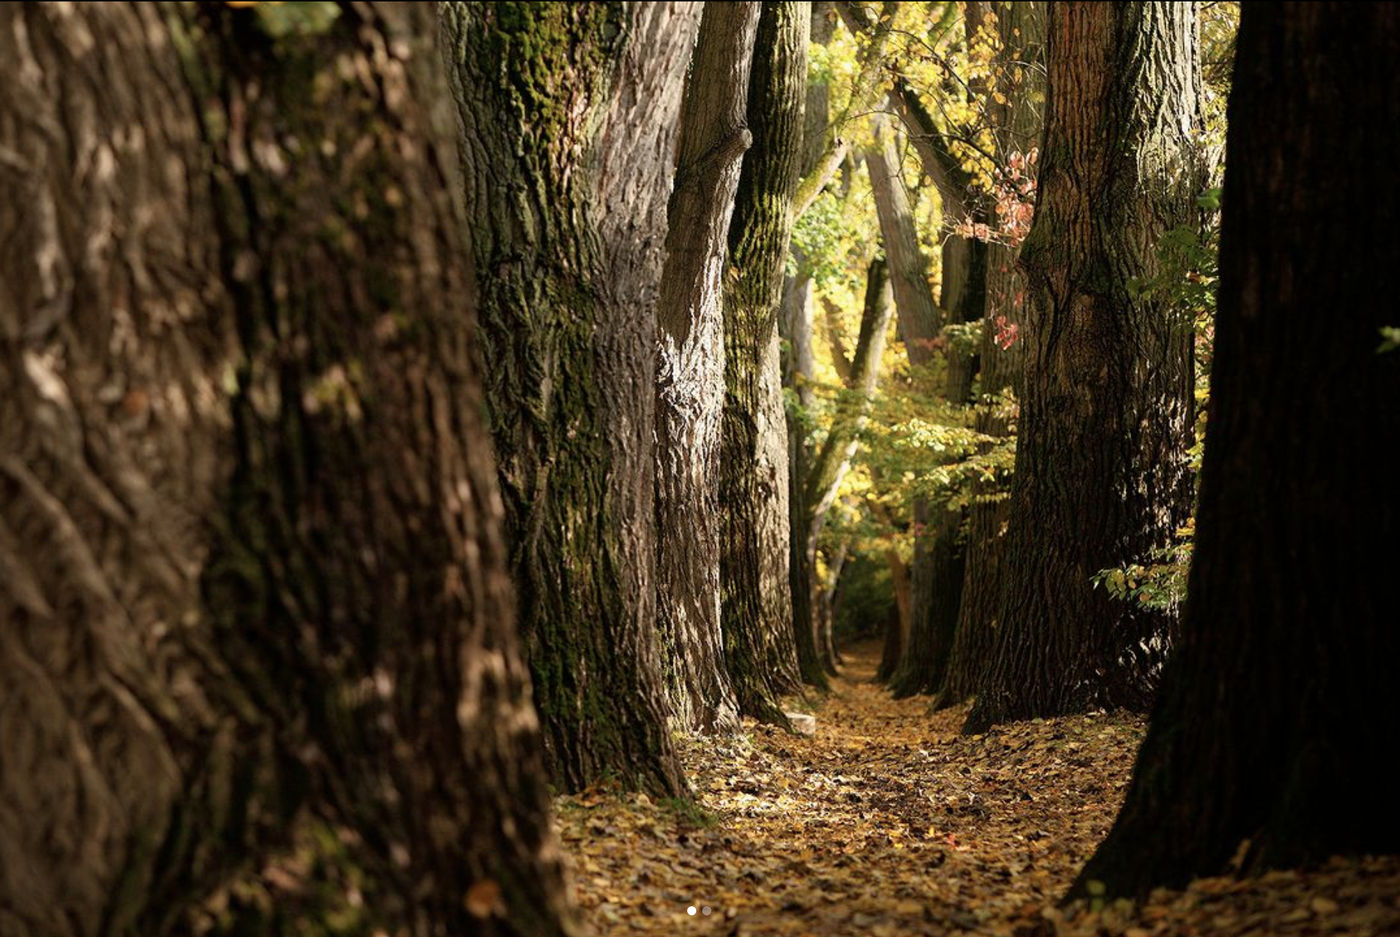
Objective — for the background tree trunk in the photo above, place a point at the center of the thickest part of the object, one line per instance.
(831, 462)
(757, 611)
(250, 528)
(919, 319)
(1101, 465)
(690, 357)
(1018, 128)
(799, 360)
(1270, 726)
(569, 115)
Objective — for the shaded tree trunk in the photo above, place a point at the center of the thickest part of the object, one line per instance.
(249, 524)
(757, 606)
(897, 628)
(1101, 467)
(569, 116)
(1018, 127)
(690, 357)
(1268, 741)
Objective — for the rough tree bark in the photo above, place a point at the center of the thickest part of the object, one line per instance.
(1101, 466)
(1267, 745)
(249, 525)
(569, 114)
(757, 611)
(1018, 126)
(690, 368)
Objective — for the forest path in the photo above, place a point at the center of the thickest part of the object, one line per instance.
(888, 822)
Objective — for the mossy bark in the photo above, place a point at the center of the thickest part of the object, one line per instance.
(1269, 742)
(250, 523)
(760, 645)
(569, 117)
(1101, 461)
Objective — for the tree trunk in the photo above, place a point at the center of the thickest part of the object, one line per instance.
(822, 481)
(799, 364)
(250, 526)
(1271, 728)
(1101, 461)
(690, 379)
(842, 440)
(825, 601)
(826, 147)
(919, 317)
(569, 114)
(897, 628)
(799, 361)
(1018, 127)
(757, 611)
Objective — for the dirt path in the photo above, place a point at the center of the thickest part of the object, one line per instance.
(889, 823)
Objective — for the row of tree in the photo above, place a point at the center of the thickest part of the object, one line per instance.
(269, 310)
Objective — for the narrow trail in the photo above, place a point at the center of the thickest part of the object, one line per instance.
(890, 823)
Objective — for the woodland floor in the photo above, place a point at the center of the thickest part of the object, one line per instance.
(889, 823)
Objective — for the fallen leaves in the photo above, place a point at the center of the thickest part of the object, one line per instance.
(889, 823)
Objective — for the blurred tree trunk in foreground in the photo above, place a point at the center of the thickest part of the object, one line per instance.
(249, 524)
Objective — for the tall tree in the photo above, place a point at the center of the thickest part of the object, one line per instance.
(1265, 747)
(1101, 461)
(249, 524)
(690, 358)
(757, 603)
(1018, 124)
(569, 115)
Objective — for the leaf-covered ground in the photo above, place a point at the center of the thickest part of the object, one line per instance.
(890, 823)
